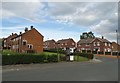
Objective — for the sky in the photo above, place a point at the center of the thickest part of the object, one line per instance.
(60, 20)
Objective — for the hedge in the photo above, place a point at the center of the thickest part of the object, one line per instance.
(86, 55)
(59, 50)
(27, 59)
(107, 53)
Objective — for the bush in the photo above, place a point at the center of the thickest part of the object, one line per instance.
(100, 52)
(27, 59)
(59, 50)
(107, 53)
(87, 55)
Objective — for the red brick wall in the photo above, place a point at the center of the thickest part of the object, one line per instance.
(34, 38)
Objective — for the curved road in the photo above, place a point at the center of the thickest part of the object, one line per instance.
(107, 70)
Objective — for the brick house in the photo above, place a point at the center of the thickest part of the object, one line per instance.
(7, 43)
(1, 45)
(66, 43)
(115, 47)
(50, 44)
(27, 42)
(94, 44)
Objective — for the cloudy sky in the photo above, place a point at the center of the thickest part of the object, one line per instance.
(61, 20)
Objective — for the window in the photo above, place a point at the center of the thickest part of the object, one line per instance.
(30, 46)
(87, 44)
(73, 44)
(105, 44)
(4, 40)
(4, 45)
(94, 43)
(83, 48)
(65, 43)
(24, 42)
(62, 44)
(109, 44)
(98, 43)
(105, 49)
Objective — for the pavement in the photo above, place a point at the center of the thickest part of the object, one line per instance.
(108, 56)
(98, 69)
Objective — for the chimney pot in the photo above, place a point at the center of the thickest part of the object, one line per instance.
(12, 33)
(26, 29)
(102, 37)
(31, 27)
(20, 33)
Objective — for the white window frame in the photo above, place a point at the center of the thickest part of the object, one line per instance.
(30, 45)
(98, 43)
(94, 43)
(24, 41)
(105, 44)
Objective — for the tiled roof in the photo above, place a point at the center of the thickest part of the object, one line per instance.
(90, 40)
(85, 41)
(50, 40)
(64, 40)
(26, 32)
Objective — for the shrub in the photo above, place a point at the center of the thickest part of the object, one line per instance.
(59, 50)
(27, 59)
(107, 53)
(87, 55)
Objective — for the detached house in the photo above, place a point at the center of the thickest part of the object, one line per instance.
(94, 44)
(50, 44)
(66, 43)
(28, 42)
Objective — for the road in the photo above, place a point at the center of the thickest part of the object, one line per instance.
(107, 70)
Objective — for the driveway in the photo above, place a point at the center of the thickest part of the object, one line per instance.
(104, 70)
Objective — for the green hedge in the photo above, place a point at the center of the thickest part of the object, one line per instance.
(59, 50)
(27, 59)
(86, 55)
(107, 53)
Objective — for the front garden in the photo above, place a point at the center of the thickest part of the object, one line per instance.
(13, 58)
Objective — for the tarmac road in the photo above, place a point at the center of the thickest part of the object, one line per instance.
(104, 70)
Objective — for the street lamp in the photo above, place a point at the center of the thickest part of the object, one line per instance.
(117, 44)
(57, 52)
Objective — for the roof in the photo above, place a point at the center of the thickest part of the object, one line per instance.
(103, 40)
(50, 40)
(90, 40)
(27, 32)
(85, 40)
(64, 40)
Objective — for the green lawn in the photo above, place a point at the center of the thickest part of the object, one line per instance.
(51, 53)
(79, 58)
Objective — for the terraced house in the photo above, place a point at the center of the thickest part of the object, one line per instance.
(7, 43)
(31, 41)
(100, 45)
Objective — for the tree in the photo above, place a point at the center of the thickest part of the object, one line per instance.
(87, 35)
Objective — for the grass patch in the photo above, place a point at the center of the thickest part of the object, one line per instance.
(80, 59)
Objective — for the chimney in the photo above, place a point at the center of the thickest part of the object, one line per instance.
(20, 33)
(31, 27)
(12, 33)
(102, 37)
(26, 29)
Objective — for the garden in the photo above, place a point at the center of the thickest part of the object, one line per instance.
(13, 58)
